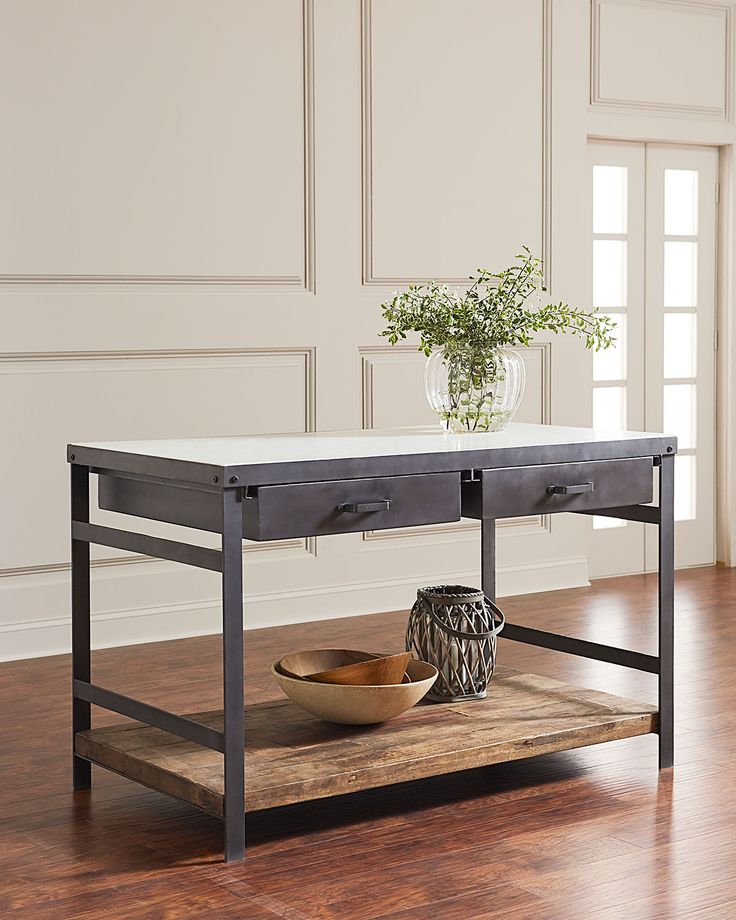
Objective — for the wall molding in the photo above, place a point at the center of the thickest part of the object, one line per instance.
(368, 356)
(16, 362)
(310, 234)
(305, 281)
(547, 101)
(654, 107)
(44, 362)
(369, 277)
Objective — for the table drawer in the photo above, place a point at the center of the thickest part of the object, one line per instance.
(518, 491)
(315, 508)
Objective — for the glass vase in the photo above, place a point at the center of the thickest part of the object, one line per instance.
(474, 390)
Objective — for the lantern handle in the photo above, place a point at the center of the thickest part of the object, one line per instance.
(478, 636)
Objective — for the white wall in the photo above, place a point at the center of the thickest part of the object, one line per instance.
(204, 205)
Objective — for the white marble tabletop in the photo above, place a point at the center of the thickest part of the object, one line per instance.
(336, 445)
(328, 455)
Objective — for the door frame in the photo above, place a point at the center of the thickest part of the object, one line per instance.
(724, 508)
(725, 505)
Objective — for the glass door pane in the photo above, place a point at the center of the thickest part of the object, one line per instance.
(617, 291)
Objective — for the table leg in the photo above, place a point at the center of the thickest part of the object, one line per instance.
(666, 611)
(81, 665)
(232, 648)
(488, 557)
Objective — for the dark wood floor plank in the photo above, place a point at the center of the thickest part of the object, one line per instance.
(595, 832)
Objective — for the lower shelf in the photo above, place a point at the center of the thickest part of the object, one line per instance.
(293, 757)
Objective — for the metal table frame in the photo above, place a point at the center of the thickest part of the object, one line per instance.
(230, 483)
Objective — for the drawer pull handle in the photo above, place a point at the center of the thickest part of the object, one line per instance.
(572, 490)
(362, 507)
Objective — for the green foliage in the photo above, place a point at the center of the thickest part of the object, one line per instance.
(493, 312)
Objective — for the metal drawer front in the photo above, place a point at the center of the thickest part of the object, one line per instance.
(550, 488)
(345, 506)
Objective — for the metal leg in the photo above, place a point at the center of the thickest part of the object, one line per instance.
(232, 647)
(666, 611)
(488, 557)
(81, 669)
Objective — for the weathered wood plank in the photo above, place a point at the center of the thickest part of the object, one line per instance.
(293, 757)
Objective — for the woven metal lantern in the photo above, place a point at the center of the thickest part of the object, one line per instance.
(455, 628)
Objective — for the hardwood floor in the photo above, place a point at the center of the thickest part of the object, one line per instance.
(594, 833)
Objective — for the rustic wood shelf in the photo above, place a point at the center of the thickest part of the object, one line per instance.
(293, 757)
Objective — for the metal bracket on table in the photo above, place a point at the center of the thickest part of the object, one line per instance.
(470, 475)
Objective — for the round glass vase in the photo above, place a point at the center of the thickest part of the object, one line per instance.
(473, 390)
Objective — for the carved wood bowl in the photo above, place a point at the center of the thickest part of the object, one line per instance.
(349, 704)
(312, 661)
(384, 669)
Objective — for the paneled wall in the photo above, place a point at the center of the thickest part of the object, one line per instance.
(203, 206)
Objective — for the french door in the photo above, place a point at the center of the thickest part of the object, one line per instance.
(654, 264)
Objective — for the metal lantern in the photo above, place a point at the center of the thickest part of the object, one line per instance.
(455, 628)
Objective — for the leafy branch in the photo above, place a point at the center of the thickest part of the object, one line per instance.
(493, 312)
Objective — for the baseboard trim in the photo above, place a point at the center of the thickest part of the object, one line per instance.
(52, 636)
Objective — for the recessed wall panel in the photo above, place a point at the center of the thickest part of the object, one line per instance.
(665, 55)
(454, 135)
(153, 139)
(393, 388)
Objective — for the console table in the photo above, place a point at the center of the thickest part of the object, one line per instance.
(282, 486)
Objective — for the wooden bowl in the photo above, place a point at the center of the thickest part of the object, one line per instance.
(388, 669)
(311, 661)
(349, 704)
